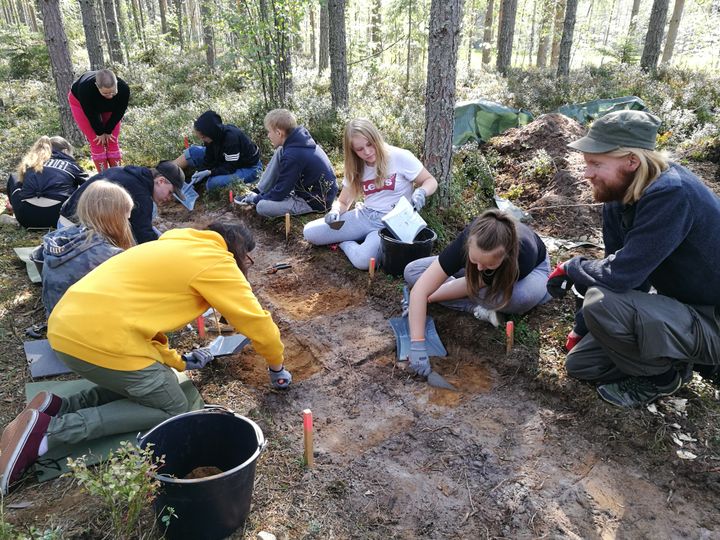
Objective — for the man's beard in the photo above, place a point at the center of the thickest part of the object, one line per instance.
(605, 193)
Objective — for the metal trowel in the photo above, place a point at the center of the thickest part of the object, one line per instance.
(438, 381)
(337, 225)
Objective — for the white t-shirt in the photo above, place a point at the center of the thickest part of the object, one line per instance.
(403, 168)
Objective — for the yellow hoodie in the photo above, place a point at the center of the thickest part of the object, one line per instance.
(115, 317)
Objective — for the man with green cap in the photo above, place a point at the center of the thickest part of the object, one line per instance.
(660, 226)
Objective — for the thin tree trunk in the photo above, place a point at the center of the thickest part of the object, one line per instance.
(443, 43)
(531, 47)
(634, 17)
(472, 23)
(557, 31)
(323, 62)
(488, 32)
(92, 34)
(33, 18)
(672, 31)
(409, 47)
(654, 36)
(506, 31)
(21, 14)
(208, 37)
(338, 54)
(283, 59)
(163, 16)
(313, 42)
(563, 69)
(376, 26)
(179, 16)
(60, 64)
(111, 23)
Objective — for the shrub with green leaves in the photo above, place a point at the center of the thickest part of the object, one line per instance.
(124, 485)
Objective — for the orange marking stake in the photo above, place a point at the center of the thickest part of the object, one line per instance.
(186, 142)
(230, 196)
(287, 226)
(308, 438)
(509, 336)
(201, 327)
(371, 267)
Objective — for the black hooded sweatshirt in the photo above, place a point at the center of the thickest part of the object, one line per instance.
(230, 148)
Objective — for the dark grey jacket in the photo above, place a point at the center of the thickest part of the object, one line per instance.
(68, 254)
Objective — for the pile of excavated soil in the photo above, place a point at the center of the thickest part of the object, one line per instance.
(561, 203)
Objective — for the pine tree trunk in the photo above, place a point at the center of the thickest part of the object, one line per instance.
(208, 37)
(544, 31)
(557, 32)
(563, 69)
(179, 16)
(338, 54)
(111, 23)
(60, 64)
(283, 59)
(376, 26)
(163, 16)
(672, 31)
(634, 17)
(488, 32)
(313, 42)
(654, 36)
(443, 42)
(92, 34)
(33, 18)
(408, 56)
(323, 62)
(506, 32)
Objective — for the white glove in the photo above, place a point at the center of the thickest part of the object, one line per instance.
(199, 176)
(332, 216)
(418, 199)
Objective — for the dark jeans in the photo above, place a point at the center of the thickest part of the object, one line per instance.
(29, 215)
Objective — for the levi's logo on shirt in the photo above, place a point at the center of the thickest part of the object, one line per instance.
(370, 186)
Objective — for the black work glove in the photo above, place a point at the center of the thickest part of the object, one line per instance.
(559, 282)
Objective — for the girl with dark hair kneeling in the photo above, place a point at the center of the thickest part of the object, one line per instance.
(496, 264)
(110, 329)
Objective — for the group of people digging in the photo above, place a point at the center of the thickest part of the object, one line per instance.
(649, 314)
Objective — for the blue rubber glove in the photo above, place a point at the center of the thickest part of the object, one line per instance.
(419, 360)
(418, 199)
(280, 379)
(199, 176)
(198, 358)
(332, 216)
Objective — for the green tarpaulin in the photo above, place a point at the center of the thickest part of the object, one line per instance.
(591, 110)
(481, 120)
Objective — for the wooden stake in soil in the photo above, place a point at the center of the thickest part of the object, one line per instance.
(308, 438)
(509, 336)
(371, 267)
(201, 327)
(217, 322)
(287, 226)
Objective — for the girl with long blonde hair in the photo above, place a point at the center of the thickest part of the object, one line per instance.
(104, 231)
(46, 176)
(378, 173)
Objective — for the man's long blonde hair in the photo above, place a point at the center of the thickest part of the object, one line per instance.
(354, 166)
(40, 152)
(104, 207)
(652, 165)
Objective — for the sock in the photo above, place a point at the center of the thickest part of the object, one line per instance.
(43, 446)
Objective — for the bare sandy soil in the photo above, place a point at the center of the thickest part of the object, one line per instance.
(519, 451)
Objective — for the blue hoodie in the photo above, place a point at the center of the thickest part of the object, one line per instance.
(305, 169)
(230, 148)
(69, 254)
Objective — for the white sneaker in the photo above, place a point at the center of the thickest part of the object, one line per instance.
(483, 314)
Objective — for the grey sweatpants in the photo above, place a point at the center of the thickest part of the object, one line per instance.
(358, 237)
(121, 402)
(292, 205)
(527, 293)
(639, 334)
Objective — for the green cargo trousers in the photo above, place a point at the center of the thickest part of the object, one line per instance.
(639, 334)
(121, 402)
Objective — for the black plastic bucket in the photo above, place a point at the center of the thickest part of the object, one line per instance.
(396, 254)
(214, 506)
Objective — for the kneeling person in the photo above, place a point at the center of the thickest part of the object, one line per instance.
(299, 179)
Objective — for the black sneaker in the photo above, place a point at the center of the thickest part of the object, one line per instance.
(636, 391)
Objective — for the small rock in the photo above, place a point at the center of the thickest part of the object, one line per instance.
(264, 535)
(6, 219)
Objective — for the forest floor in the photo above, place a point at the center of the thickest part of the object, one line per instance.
(518, 451)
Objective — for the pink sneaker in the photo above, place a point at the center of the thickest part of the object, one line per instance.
(20, 445)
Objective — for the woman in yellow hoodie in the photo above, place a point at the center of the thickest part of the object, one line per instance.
(110, 328)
